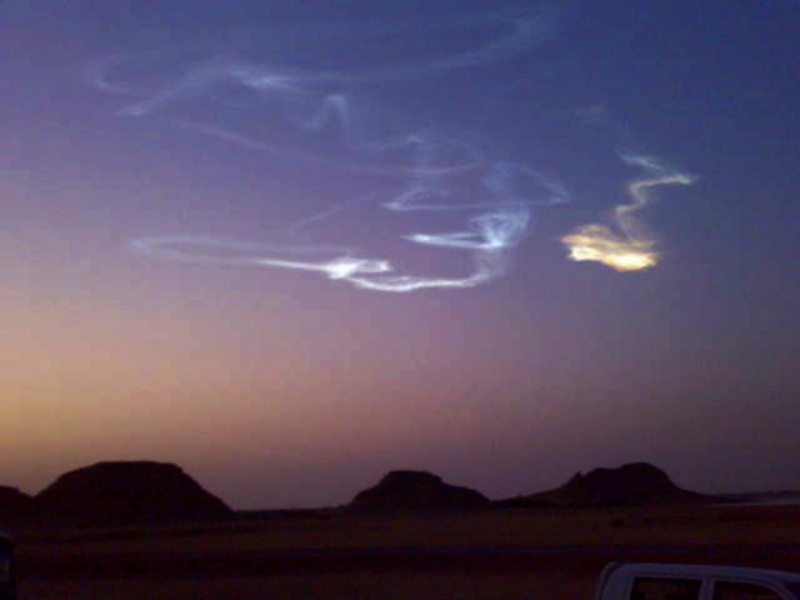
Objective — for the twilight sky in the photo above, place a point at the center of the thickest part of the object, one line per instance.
(291, 245)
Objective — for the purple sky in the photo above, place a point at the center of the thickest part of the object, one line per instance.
(291, 246)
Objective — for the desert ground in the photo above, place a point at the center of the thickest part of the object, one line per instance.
(552, 554)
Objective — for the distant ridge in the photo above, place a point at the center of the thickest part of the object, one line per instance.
(415, 490)
(122, 492)
(14, 504)
(632, 484)
(775, 497)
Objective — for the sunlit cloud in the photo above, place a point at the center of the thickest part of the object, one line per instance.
(625, 243)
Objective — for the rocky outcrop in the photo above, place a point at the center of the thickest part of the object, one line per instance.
(416, 490)
(14, 504)
(633, 484)
(122, 492)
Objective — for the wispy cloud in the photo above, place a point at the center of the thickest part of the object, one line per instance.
(624, 242)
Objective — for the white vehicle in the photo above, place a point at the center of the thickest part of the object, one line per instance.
(646, 581)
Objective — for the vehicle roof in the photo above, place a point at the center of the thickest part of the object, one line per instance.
(745, 573)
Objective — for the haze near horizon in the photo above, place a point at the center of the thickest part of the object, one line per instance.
(291, 246)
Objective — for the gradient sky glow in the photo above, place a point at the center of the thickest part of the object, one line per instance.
(291, 245)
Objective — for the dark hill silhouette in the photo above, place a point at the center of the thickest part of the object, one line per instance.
(416, 490)
(14, 504)
(121, 492)
(629, 485)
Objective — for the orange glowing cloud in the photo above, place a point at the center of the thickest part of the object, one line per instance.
(632, 246)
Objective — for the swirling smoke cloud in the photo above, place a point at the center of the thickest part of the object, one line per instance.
(311, 114)
(625, 243)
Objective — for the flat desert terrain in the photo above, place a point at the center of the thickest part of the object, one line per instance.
(545, 554)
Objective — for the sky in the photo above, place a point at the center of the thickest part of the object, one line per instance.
(293, 245)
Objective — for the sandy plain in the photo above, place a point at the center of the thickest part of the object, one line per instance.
(494, 554)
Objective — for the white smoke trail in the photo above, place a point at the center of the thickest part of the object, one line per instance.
(631, 247)
(306, 121)
(502, 222)
(504, 33)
